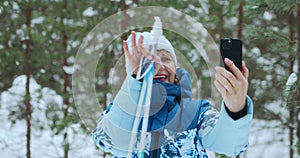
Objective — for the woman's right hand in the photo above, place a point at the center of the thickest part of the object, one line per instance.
(138, 50)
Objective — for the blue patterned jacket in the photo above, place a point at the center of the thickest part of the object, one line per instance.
(178, 126)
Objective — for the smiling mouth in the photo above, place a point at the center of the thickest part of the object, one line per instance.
(160, 77)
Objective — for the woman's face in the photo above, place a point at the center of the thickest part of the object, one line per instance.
(166, 73)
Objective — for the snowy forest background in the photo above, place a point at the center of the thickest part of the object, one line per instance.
(40, 39)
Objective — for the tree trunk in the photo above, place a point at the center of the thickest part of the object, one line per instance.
(291, 36)
(297, 110)
(240, 19)
(66, 103)
(290, 107)
(124, 36)
(220, 27)
(66, 80)
(240, 26)
(28, 72)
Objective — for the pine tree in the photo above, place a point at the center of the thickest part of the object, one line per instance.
(276, 38)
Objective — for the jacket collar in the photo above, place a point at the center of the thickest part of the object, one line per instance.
(166, 99)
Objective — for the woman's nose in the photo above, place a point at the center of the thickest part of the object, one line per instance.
(159, 67)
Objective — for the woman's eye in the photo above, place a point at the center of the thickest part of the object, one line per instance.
(165, 59)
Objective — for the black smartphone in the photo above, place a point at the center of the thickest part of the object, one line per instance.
(232, 49)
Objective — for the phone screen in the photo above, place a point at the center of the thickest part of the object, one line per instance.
(232, 49)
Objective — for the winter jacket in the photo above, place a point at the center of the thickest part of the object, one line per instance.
(178, 126)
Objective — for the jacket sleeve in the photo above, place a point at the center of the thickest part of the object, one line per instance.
(226, 135)
(113, 131)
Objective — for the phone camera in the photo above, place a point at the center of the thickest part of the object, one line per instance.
(226, 45)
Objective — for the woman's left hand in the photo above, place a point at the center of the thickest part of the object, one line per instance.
(232, 86)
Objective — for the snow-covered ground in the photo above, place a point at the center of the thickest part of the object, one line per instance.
(267, 139)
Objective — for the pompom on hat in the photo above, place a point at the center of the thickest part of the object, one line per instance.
(163, 44)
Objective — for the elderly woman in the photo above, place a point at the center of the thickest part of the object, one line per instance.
(178, 126)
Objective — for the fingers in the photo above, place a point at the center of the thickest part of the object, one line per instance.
(220, 88)
(232, 86)
(224, 84)
(138, 50)
(226, 76)
(144, 51)
(245, 70)
(133, 45)
(236, 72)
(125, 47)
(133, 34)
(140, 43)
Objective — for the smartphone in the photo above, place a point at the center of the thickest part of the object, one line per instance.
(231, 48)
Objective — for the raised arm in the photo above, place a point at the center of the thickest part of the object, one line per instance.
(230, 132)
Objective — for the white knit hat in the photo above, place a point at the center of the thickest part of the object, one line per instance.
(163, 43)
